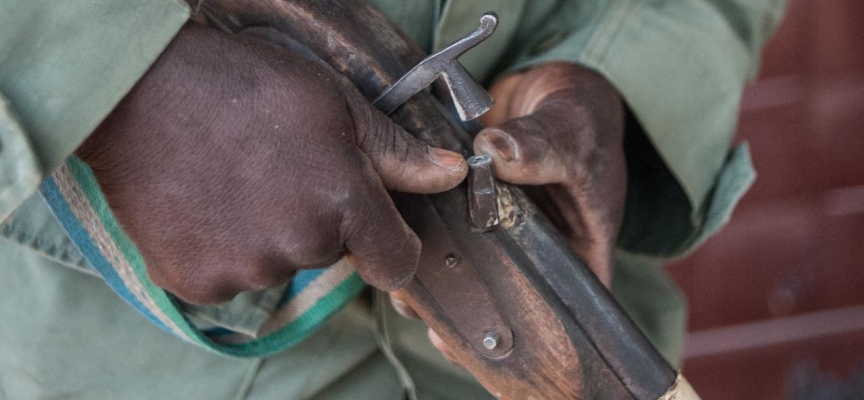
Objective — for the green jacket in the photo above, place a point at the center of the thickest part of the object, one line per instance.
(680, 65)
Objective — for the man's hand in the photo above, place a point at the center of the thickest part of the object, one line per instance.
(234, 163)
(560, 126)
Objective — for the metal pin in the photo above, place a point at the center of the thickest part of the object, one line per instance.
(490, 341)
(482, 201)
(450, 261)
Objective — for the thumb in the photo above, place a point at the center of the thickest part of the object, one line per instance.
(403, 162)
(522, 152)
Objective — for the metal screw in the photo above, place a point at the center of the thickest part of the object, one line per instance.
(451, 260)
(490, 341)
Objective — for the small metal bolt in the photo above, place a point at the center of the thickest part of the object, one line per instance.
(451, 260)
(490, 341)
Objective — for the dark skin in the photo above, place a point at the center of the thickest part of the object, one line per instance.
(233, 163)
(560, 127)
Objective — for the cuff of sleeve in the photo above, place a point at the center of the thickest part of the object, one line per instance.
(20, 172)
(688, 111)
(735, 178)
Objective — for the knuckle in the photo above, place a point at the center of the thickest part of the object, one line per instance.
(367, 226)
(378, 136)
(200, 293)
(264, 275)
(162, 277)
(206, 295)
(358, 210)
(311, 243)
(195, 288)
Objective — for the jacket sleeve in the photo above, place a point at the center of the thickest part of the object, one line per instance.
(64, 65)
(681, 66)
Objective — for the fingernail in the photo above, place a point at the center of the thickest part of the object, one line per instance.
(445, 158)
(501, 143)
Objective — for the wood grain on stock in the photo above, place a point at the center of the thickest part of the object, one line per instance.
(551, 355)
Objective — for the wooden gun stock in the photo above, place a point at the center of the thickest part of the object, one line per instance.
(519, 309)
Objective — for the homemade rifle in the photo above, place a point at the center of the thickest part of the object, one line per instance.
(498, 283)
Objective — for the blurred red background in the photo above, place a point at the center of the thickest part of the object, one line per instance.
(777, 298)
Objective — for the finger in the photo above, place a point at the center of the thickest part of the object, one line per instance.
(441, 346)
(202, 288)
(522, 152)
(503, 92)
(403, 162)
(402, 307)
(380, 245)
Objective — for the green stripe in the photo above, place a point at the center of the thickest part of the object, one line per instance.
(303, 326)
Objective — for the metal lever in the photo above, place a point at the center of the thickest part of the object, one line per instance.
(470, 98)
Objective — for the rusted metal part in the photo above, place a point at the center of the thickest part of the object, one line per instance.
(482, 199)
(471, 99)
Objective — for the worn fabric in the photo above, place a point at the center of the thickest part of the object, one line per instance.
(66, 335)
(63, 67)
(679, 64)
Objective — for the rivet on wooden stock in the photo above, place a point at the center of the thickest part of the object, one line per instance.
(451, 260)
(491, 340)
